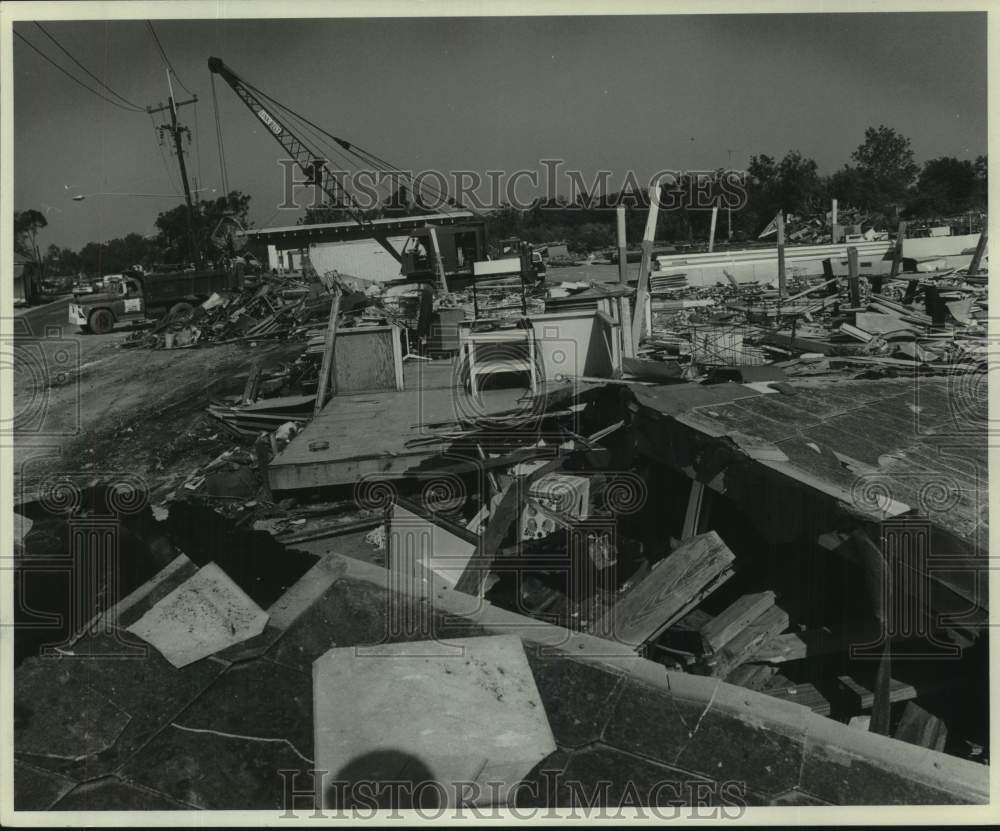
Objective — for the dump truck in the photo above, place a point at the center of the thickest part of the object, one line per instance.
(134, 297)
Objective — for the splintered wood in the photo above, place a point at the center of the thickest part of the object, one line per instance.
(673, 587)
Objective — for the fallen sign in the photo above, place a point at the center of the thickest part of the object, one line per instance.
(674, 586)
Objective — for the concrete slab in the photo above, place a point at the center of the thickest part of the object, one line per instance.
(36, 789)
(400, 712)
(204, 615)
(44, 726)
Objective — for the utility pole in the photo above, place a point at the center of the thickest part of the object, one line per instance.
(729, 210)
(176, 131)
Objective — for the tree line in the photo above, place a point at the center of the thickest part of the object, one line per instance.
(169, 245)
(882, 182)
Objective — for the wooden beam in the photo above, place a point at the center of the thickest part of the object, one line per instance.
(673, 587)
(860, 696)
(741, 648)
(711, 232)
(781, 254)
(438, 259)
(918, 726)
(326, 367)
(622, 251)
(853, 281)
(734, 619)
(796, 646)
(692, 517)
(383, 240)
(977, 258)
(897, 253)
(252, 384)
(642, 286)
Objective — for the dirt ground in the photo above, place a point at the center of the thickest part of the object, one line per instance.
(86, 407)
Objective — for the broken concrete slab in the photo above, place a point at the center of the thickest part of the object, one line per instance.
(45, 727)
(36, 789)
(204, 615)
(409, 712)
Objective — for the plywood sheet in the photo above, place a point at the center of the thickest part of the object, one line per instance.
(367, 359)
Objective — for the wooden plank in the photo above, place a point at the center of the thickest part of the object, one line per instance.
(782, 291)
(855, 332)
(741, 648)
(642, 286)
(692, 517)
(853, 282)
(860, 697)
(918, 726)
(368, 358)
(897, 252)
(328, 345)
(672, 588)
(977, 258)
(751, 676)
(252, 384)
(734, 619)
(805, 694)
(506, 513)
(622, 253)
(795, 646)
(438, 259)
(882, 324)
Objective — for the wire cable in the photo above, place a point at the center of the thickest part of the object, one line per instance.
(66, 52)
(76, 80)
(166, 60)
(218, 135)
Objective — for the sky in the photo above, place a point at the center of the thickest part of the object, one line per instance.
(619, 93)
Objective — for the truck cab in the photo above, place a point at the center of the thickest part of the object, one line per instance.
(134, 297)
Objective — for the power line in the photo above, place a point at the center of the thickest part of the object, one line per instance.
(66, 52)
(218, 136)
(73, 78)
(166, 60)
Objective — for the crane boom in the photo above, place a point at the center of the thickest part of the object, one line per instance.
(312, 164)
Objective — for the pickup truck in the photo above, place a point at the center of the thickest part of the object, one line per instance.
(144, 298)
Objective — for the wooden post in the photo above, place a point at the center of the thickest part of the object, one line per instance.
(781, 254)
(642, 285)
(897, 254)
(622, 243)
(833, 221)
(977, 258)
(711, 233)
(438, 259)
(326, 368)
(853, 283)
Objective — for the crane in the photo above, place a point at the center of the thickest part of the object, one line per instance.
(310, 162)
(432, 253)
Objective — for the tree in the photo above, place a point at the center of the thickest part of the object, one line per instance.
(27, 224)
(946, 186)
(886, 169)
(172, 225)
(792, 185)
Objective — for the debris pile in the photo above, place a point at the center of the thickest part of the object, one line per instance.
(269, 308)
